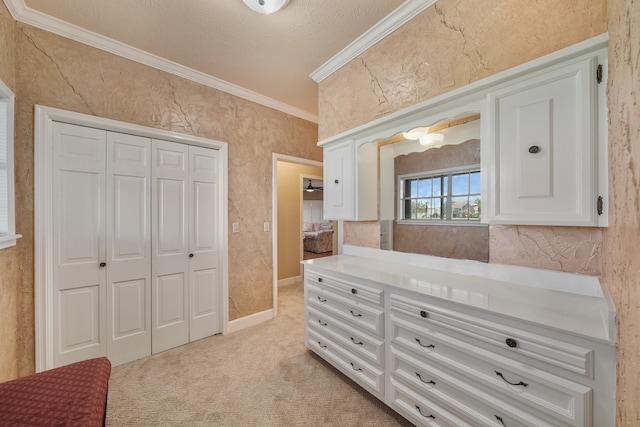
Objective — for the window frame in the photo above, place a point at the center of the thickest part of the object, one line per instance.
(448, 172)
(9, 237)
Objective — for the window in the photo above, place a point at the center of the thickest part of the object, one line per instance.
(7, 209)
(449, 195)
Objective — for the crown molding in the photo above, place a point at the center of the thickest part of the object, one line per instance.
(386, 26)
(24, 14)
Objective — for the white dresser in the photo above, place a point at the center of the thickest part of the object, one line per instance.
(463, 343)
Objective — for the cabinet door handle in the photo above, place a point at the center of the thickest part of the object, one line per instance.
(336, 181)
(500, 419)
(190, 255)
(354, 367)
(103, 264)
(321, 323)
(534, 149)
(354, 341)
(523, 384)
(355, 314)
(426, 416)
(431, 382)
(322, 300)
(424, 346)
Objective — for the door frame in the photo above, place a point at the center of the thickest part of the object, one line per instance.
(43, 204)
(274, 214)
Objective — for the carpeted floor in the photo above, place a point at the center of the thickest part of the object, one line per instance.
(260, 376)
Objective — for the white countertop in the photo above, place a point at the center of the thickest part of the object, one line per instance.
(583, 313)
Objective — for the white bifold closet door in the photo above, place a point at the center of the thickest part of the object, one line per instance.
(185, 258)
(102, 244)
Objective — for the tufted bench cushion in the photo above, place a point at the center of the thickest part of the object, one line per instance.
(72, 395)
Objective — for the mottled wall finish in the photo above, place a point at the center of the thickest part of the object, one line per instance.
(622, 238)
(57, 72)
(12, 285)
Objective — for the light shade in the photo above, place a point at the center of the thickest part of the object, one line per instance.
(266, 7)
(432, 140)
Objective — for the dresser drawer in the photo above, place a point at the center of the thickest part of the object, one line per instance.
(568, 402)
(354, 291)
(439, 384)
(515, 341)
(355, 340)
(353, 313)
(420, 410)
(368, 376)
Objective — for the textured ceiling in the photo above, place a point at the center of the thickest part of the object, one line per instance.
(271, 55)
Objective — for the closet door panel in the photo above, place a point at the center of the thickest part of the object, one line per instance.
(170, 261)
(128, 247)
(203, 237)
(78, 194)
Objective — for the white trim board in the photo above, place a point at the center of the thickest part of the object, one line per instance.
(44, 118)
(403, 13)
(250, 320)
(22, 13)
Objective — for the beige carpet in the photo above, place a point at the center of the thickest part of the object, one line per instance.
(260, 376)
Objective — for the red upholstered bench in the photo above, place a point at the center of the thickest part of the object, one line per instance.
(72, 395)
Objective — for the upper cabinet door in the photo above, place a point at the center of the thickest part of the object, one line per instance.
(339, 181)
(543, 132)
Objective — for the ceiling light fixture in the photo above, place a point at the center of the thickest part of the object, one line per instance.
(432, 140)
(266, 7)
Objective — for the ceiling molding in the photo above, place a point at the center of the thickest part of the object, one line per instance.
(24, 14)
(386, 26)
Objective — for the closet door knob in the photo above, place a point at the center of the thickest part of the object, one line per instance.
(534, 149)
(103, 264)
(190, 255)
(336, 181)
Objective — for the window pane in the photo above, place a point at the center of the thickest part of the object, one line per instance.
(437, 186)
(407, 209)
(424, 187)
(460, 183)
(421, 209)
(474, 181)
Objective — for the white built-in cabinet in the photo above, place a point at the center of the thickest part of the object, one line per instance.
(350, 181)
(543, 132)
(135, 244)
(446, 347)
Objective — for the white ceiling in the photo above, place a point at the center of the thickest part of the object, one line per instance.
(224, 44)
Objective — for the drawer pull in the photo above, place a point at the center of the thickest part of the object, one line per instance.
(523, 384)
(354, 367)
(354, 291)
(321, 346)
(320, 279)
(424, 314)
(424, 346)
(322, 300)
(511, 342)
(423, 381)
(500, 419)
(322, 323)
(354, 341)
(355, 314)
(426, 416)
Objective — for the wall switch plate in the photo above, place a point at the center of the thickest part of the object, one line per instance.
(266, 226)
(235, 227)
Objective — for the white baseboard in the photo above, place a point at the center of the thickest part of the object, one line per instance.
(250, 320)
(290, 281)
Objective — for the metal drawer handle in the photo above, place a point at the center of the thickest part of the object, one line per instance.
(322, 300)
(500, 419)
(511, 342)
(321, 346)
(354, 314)
(423, 381)
(320, 279)
(354, 367)
(424, 346)
(354, 341)
(321, 323)
(354, 291)
(426, 416)
(523, 384)
(424, 314)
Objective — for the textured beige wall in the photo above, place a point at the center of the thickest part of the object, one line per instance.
(289, 216)
(57, 72)
(622, 237)
(449, 45)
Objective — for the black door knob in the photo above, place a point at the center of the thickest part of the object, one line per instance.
(103, 264)
(190, 255)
